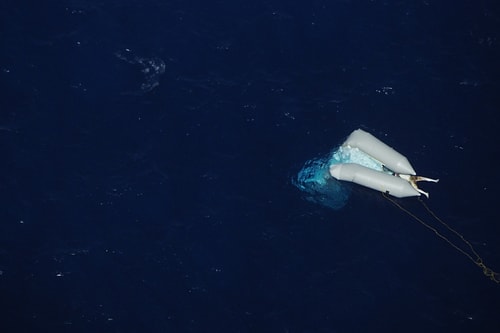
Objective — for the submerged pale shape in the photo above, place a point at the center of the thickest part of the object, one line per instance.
(318, 186)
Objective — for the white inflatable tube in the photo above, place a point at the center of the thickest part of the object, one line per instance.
(373, 179)
(380, 151)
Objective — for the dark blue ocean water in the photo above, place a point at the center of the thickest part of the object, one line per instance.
(148, 150)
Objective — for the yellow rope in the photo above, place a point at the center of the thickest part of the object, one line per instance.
(478, 261)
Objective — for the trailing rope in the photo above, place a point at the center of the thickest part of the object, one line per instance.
(474, 257)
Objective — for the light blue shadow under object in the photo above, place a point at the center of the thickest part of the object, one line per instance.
(319, 187)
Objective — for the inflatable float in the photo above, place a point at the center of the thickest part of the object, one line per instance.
(375, 165)
(365, 160)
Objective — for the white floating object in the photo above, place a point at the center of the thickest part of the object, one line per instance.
(399, 180)
(379, 151)
(373, 179)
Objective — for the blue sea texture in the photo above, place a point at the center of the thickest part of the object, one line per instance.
(150, 153)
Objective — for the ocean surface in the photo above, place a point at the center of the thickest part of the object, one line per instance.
(149, 150)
